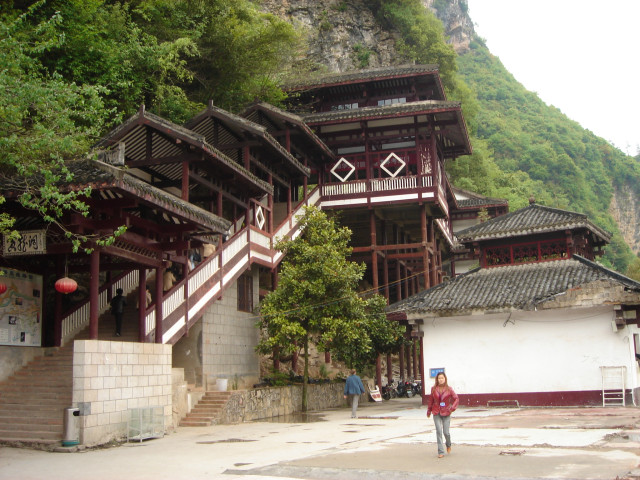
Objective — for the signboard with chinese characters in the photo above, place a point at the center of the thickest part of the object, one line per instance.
(433, 372)
(21, 309)
(30, 242)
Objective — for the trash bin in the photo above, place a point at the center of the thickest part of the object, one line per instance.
(71, 434)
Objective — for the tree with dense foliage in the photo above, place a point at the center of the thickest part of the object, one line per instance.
(540, 152)
(44, 120)
(316, 299)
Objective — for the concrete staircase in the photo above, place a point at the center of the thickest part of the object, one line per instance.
(32, 401)
(207, 410)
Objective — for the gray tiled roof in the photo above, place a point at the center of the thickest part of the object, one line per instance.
(529, 220)
(359, 76)
(100, 176)
(508, 287)
(475, 199)
(382, 111)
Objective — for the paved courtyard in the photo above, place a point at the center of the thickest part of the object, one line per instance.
(388, 441)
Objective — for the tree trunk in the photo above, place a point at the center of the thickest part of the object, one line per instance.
(305, 378)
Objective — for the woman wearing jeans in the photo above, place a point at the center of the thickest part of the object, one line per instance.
(443, 401)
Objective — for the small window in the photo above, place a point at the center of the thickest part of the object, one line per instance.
(245, 293)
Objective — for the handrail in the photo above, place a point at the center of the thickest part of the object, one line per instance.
(224, 266)
(78, 317)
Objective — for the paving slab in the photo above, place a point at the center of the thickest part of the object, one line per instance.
(389, 440)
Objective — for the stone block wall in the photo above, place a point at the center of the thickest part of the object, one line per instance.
(109, 378)
(260, 403)
(229, 338)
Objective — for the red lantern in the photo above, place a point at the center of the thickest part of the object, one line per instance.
(3, 288)
(66, 285)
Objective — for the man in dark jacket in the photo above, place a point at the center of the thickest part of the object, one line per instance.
(117, 308)
(353, 388)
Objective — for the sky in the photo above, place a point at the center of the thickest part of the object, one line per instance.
(581, 56)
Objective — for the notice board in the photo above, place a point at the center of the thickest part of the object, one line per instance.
(21, 309)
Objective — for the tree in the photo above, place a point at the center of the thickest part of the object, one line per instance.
(44, 120)
(316, 299)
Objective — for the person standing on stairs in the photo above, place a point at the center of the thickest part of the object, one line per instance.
(117, 308)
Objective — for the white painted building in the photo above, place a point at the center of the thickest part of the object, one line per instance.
(543, 332)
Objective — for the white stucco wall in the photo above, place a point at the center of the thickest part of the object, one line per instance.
(544, 351)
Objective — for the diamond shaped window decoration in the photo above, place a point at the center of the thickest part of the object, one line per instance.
(390, 158)
(346, 176)
(260, 220)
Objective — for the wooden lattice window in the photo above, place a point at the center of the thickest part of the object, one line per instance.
(245, 293)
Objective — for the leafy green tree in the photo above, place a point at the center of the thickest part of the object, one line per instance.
(316, 299)
(242, 51)
(44, 120)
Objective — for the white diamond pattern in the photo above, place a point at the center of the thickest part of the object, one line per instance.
(260, 220)
(388, 159)
(347, 174)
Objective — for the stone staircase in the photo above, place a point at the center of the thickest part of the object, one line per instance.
(207, 410)
(32, 401)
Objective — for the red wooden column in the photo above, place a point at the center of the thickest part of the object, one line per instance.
(142, 302)
(185, 181)
(379, 371)
(94, 286)
(415, 357)
(159, 298)
(401, 358)
(422, 368)
(389, 370)
(407, 352)
(270, 206)
(57, 319)
(374, 252)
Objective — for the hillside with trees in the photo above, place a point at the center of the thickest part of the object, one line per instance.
(72, 69)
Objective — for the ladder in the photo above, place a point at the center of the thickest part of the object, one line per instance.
(613, 386)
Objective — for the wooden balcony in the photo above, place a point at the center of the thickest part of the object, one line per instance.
(411, 189)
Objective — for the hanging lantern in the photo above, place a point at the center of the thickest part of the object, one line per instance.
(3, 287)
(66, 285)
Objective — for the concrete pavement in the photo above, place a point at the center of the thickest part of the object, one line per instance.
(389, 440)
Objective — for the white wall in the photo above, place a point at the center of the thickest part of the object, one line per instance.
(544, 351)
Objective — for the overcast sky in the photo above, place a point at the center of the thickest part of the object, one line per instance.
(581, 56)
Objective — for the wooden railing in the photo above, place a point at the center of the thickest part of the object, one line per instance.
(78, 318)
(392, 185)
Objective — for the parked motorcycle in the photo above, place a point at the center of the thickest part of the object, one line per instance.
(416, 386)
(389, 392)
(404, 389)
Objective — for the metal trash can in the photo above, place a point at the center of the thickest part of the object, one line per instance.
(71, 434)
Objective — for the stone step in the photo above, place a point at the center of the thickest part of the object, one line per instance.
(29, 436)
(8, 412)
(195, 423)
(33, 427)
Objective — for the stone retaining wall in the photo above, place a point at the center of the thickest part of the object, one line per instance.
(269, 402)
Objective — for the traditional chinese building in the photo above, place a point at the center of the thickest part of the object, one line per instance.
(539, 322)
(203, 204)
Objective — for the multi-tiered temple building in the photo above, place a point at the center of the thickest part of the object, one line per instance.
(203, 204)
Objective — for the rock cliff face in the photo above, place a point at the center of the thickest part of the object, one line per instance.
(344, 35)
(625, 209)
(341, 35)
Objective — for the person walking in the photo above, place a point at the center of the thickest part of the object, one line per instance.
(443, 401)
(353, 388)
(117, 308)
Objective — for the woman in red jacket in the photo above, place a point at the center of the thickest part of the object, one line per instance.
(443, 401)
